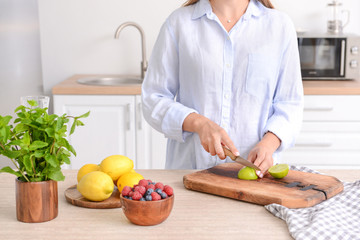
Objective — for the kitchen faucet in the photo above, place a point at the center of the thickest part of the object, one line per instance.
(144, 63)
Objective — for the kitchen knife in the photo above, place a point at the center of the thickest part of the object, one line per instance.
(239, 159)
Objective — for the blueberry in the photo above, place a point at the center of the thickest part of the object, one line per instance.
(130, 198)
(126, 197)
(163, 195)
(142, 199)
(159, 191)
(148, 198)
(149, 191)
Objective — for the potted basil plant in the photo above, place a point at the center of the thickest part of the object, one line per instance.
(37, 146)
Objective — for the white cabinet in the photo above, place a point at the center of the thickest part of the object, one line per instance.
(330, 135)
(115, 126)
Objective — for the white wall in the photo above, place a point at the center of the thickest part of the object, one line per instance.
(312, 14)
(20, 63)
(77, 35)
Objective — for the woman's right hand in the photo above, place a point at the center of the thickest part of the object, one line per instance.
(212, 136)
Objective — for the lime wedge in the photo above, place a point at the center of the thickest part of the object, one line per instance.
(279, 170)
(247, 173)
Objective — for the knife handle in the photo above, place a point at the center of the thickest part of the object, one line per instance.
(228, 153)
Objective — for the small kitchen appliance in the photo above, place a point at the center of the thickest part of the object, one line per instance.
(336, 15)
(329, 56)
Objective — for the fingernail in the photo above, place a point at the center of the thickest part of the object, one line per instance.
(236, 153)
(260, 174)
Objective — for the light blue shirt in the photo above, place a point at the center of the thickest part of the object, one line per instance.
(247, 80)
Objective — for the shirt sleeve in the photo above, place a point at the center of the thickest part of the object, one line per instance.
(160, 88)
(288, 101)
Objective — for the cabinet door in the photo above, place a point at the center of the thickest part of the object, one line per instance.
(108, 130)
(326, 145)
(151, 144)
(330, 133)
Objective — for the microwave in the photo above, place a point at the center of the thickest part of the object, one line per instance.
(329, 57)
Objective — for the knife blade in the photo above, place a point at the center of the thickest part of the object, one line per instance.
(239, 159)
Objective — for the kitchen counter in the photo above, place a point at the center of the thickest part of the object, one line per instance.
(194, 216)
(71, 87)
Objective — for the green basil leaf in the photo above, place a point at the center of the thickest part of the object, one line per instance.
(26, 138)
(69, 147)
(72, 130)
(50, 132)
(79, 123)
(59, 123)
(37, 144)
(51, 159)
(40, 120)
(20, 108)
(21, 128)
(84, 115)
(4, 133)
(27, 163)
(39, 154)
(65, 158)
(12, 154)
(56, 175)
(15, 143)
(32, 103)
(5, 120)
(11, 171)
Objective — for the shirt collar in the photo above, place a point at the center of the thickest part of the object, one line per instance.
(203, 7)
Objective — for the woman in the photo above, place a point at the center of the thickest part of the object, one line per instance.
(225, 73)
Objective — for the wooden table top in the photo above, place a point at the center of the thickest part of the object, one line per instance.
(194, 216)
(71, 87)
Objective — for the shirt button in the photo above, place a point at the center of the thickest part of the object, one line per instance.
(226, 114)
(227, 96)
(228, 38)
(228, 65)
(224, 125)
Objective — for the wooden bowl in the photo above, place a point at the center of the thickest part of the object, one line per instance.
(147, 213)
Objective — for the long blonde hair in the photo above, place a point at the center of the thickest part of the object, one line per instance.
(266, 3)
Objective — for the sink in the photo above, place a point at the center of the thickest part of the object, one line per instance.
(110, 81)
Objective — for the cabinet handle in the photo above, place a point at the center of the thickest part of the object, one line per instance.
(325, 144)
(128, 116)
(139, 116)
(319, 109)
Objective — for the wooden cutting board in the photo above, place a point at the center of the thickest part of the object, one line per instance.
(74, 197)
(296, 190)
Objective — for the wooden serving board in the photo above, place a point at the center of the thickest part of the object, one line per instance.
(296, 190)
(74, 197)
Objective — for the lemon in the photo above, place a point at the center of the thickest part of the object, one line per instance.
(247, 173)
(129, 179)
(86, 169)
(116, 165)
(279, 170)
(96, 186)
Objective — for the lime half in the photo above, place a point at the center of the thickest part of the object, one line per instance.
(279, 170)
(247, 173)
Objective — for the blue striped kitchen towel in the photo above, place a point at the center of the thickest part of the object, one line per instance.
(335, 218)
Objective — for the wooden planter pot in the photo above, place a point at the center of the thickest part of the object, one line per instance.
(36, 201)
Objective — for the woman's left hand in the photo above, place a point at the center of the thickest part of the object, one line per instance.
(261, 154)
